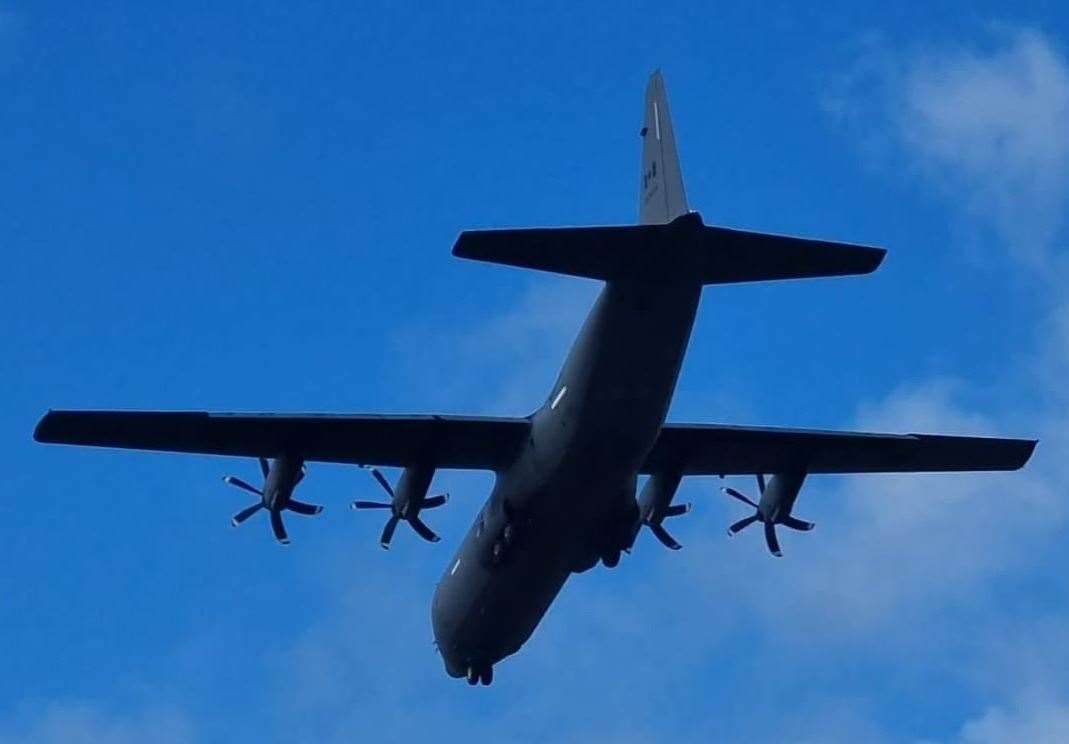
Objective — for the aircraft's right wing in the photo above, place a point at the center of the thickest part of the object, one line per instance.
(714, 449)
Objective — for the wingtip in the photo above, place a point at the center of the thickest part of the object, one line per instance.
(461, 246)
(877, 255)
(40, 432)
(1028, 448)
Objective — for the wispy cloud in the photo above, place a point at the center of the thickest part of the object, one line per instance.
(86, 723)
(506, 362)
(984, 125)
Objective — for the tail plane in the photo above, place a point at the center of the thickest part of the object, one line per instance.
(670, 244)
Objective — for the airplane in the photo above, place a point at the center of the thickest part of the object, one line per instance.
(566, 491)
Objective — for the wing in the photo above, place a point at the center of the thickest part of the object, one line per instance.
(468, 442)
(712, 449)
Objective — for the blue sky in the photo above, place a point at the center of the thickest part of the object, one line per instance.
(252, 209)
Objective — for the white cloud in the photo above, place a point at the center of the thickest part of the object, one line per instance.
(986, 126)
(1035, 721)
(509, 360)
(1023, 664)
(85, 723)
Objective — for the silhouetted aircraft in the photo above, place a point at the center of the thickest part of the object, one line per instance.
(565, 493)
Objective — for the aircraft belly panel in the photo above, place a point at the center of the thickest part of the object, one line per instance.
(484, 612)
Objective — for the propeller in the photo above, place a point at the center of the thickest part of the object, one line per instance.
(401, 508)
(654, 522)
(769, 522)
(275, 496)
(655, 506)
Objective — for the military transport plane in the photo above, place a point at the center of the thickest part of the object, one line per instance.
(566, 475)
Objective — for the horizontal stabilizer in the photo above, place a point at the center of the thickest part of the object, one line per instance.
(685, 250)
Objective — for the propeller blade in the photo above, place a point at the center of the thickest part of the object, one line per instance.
(435, 501)
(387, 531)
(370, 505)
(278, 528)
(761, 483)
(244, 514)
(265, 467)
(770, 538)
(299, 507)
(238, 482)
(661, 534)
(797, 524)
(380, 478)
(742, 524)
(741, 497)
(423, 530)
(677, 510)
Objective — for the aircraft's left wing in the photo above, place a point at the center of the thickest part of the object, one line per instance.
(714, 449)
(467, 442)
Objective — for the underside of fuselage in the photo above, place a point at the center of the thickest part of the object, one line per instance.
(569, 498)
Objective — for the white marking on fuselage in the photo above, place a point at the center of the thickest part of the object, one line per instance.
(656, 121)
(455, 567)
(560, 395)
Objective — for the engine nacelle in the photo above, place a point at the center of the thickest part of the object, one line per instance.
(281, 477)
(655, 505)
(406, 501)
(778, 497)
(774, 507)
(412, 489)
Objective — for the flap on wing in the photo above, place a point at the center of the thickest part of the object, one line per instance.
(468, 442)
(683, 250)
(711, 449)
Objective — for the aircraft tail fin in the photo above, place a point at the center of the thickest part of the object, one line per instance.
(661, 195)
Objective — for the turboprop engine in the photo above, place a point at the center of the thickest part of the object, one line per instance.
(406, 502)
(655, 505)
(774, 507)
(281, 476)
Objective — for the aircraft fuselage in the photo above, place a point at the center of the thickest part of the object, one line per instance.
(569, 498)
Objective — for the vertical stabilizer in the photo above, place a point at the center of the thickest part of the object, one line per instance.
(661, 196)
